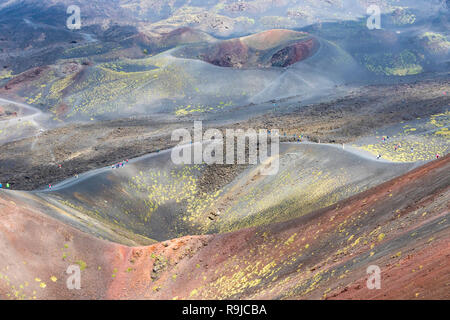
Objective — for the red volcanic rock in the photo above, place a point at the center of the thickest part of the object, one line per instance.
(29, 75)
(271, 48)
(230, 53)
(294, 53)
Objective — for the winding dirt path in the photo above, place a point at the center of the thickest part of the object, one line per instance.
(31, 117)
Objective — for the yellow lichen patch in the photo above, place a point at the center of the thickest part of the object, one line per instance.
(82, 264)
(179, 186)
(191, 109)
(242, 279)
(193, 293)
(290, 240)
(5, 74)
(356, 242)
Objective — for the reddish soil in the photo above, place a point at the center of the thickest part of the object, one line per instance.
(402, 226)
(25, 77)
(258, 50)
(230, 53)
(294, 53)
(61, 110)
(271, 38)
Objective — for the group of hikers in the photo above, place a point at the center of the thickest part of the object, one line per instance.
(398, 146)
(119, 164)
(8, 186)
(295, 136)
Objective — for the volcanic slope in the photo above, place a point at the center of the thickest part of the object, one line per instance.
(177, 84)
(402, 226)
(151, 198)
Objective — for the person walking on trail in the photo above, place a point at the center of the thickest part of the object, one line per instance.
(7, 186)
(1, 186)
(437, 155)
(49, 186)
(378, 156)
